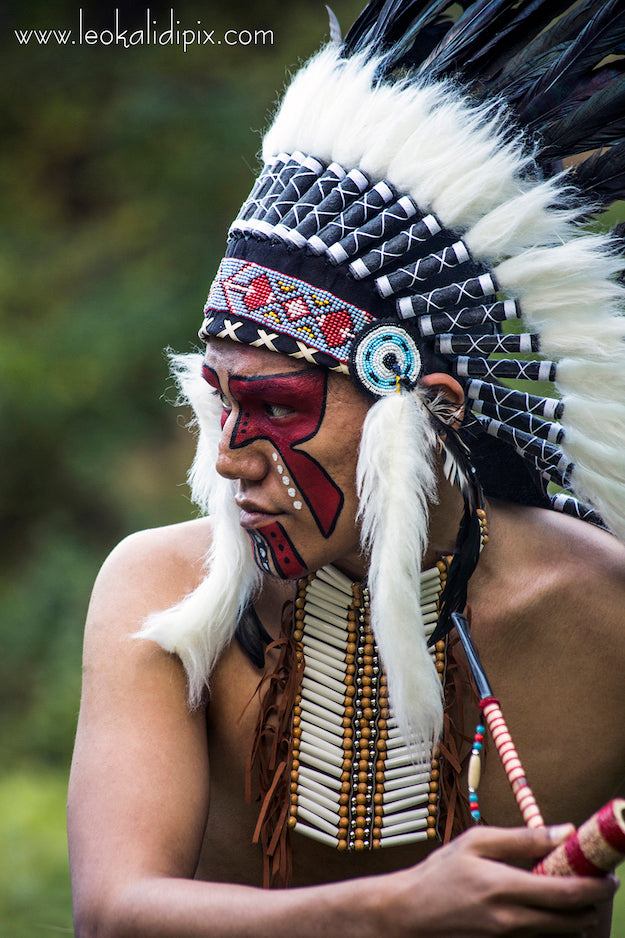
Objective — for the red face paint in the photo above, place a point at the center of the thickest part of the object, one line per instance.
(271, 543)
(303, 393)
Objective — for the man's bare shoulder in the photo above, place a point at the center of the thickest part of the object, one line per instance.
(152, 569)
(572, 569)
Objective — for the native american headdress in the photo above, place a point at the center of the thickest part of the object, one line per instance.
(423, 206)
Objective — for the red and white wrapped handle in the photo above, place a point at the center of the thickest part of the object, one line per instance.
(595, 849)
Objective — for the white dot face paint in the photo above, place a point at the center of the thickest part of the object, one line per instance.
(286, 480)
(291, 492)
(274, 456)
(297, 505)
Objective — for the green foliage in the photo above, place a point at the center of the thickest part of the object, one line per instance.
(34, 885)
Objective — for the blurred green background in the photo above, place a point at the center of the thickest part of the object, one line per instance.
(120, 170)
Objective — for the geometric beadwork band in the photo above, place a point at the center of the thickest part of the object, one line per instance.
(314, 318)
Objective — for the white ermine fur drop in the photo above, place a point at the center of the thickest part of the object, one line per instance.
(199, 627)
(396, 482)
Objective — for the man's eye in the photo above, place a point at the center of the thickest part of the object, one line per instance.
(278, 410)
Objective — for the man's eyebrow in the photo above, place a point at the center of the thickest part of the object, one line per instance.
(274, 375)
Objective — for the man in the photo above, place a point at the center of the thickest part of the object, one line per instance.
(338, 456)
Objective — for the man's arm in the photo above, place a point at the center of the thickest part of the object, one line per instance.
(138, 805)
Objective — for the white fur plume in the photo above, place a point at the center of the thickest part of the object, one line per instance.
(200, 626)
(396, 481)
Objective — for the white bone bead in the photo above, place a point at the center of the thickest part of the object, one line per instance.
(321, 589)
(419, 799)
(322, 750)
(403, 771)
(321, 779)
(324, 791)
(308, 694)
(322, 764)
(475, 772)
(309, 641)
(329, 839)
(335, 604)
(326, 615)
(319, 731)
(396, 840)
(431, 574)
(399, 795)
(315, 603)
(393, 784)
(331, 575)
(323, 691)
(333, 668)
(318, 823)
(428, 609)
(324, 633)
(319, 715)
(404, 820)
(319, 810)
(405, 757)
(326, 681)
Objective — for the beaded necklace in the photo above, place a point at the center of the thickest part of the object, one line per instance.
(355, 785)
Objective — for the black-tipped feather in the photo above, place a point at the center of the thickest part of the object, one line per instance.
(598, 38)
(602, 175)
(546, 58)
(598, 121)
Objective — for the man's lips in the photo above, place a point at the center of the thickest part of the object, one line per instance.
(254, 515)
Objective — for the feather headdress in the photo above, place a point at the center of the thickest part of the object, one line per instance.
(420, 209)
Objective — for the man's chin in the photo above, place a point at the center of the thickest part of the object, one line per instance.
(274, 553)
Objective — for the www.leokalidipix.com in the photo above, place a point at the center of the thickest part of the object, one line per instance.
(152, 32)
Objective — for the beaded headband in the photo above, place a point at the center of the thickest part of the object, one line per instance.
(407, 198)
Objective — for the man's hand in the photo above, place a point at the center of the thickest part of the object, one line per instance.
(474, 887)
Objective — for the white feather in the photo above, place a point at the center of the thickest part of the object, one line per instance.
(335, 110)
(396, 482)
(199, 627)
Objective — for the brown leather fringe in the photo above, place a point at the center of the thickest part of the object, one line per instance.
(454, 812)
(271, 752)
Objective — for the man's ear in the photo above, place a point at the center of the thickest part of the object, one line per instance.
(451, 391)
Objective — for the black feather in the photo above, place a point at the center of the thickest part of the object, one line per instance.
(598, 38)
(526, 22)
(602, 175)
(598, 121)
(539, 49)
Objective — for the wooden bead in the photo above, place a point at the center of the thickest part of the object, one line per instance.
(342, 845)
(431, 821)
(431, 833)
(292, 822)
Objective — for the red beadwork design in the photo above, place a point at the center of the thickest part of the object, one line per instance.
(336, 326)
(259, 293)
(296, 308)
(314, 317)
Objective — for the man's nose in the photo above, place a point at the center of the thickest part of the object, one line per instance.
(247, 463)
